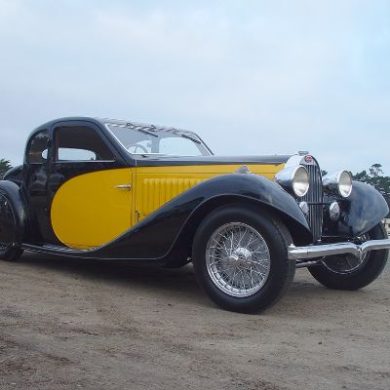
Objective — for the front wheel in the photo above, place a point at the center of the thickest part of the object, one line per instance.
(240, 258)
(348, 272)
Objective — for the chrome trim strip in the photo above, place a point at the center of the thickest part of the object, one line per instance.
(313, 251)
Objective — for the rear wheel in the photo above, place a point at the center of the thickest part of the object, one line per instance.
(240, 258)
(348, 272)
(9, 246)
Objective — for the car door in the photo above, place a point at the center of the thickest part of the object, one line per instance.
(89, 189)
(36, 171)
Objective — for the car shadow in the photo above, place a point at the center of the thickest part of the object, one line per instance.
(180, 281)
(121, 273)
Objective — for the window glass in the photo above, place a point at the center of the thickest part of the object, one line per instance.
(80, 143)
(172, 145)
(145, 140)
(38, 147)
(71, 154)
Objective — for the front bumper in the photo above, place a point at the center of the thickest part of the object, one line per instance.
(321, 250)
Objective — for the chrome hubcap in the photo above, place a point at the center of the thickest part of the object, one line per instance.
(238, 259)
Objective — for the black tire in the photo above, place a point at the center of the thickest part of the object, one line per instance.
(366, 273)
(277, 238)
(10, 248)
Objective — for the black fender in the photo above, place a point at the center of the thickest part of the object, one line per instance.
(364, 209)
(15, 175)
(157, 235)
(15, 197)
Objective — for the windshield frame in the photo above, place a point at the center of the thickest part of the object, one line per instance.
(155, 131)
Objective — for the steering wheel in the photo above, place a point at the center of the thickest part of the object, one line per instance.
(134, 148)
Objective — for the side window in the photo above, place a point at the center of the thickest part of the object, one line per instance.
(80, 143)
(38, 148)
(72, 154)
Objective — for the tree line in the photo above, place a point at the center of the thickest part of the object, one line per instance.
(374, 176)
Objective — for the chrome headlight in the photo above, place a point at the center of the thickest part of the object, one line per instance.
(339, 182)
(294, 179)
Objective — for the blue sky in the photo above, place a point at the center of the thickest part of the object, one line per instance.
(251, 77)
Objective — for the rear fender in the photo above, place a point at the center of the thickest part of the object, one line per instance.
(14, 196)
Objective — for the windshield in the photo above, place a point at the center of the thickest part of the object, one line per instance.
(148, 140)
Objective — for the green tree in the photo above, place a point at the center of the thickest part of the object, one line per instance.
(5, 165)
(376, 170)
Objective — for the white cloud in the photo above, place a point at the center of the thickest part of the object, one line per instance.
(278, 76)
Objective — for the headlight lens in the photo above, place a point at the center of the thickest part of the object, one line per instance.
(294, 179)
(339, 182)
(345, 184)
(300, 182)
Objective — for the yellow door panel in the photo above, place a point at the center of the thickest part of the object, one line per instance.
(90, 210)
(155, 186)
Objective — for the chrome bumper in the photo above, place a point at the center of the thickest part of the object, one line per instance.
(321, 250)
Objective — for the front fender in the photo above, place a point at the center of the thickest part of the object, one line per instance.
(363, 210)
(256, 190)
(156, 235)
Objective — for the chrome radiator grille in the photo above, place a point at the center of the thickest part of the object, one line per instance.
(314, 198)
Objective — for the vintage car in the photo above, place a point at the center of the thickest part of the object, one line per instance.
(117, 190)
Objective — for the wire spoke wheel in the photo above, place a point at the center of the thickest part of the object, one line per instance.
(348, 272)
(347, 263)
(238, 259)
(6, 224)
(9, 246)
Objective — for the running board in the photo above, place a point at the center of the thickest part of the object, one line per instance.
(89, 254)
(53, 250)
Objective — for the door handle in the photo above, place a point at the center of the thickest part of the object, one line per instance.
(124, 187)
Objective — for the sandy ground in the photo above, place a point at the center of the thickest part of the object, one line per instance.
(67, 324)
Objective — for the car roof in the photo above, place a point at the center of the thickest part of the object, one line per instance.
(116, 122)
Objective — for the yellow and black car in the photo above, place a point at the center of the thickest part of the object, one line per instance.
(109, 189)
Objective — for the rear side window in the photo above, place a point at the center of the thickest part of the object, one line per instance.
(80, 143)
(38, 148)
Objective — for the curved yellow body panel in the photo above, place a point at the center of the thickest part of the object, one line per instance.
(90, 210)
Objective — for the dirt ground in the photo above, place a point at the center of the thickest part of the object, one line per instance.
(71, 324)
